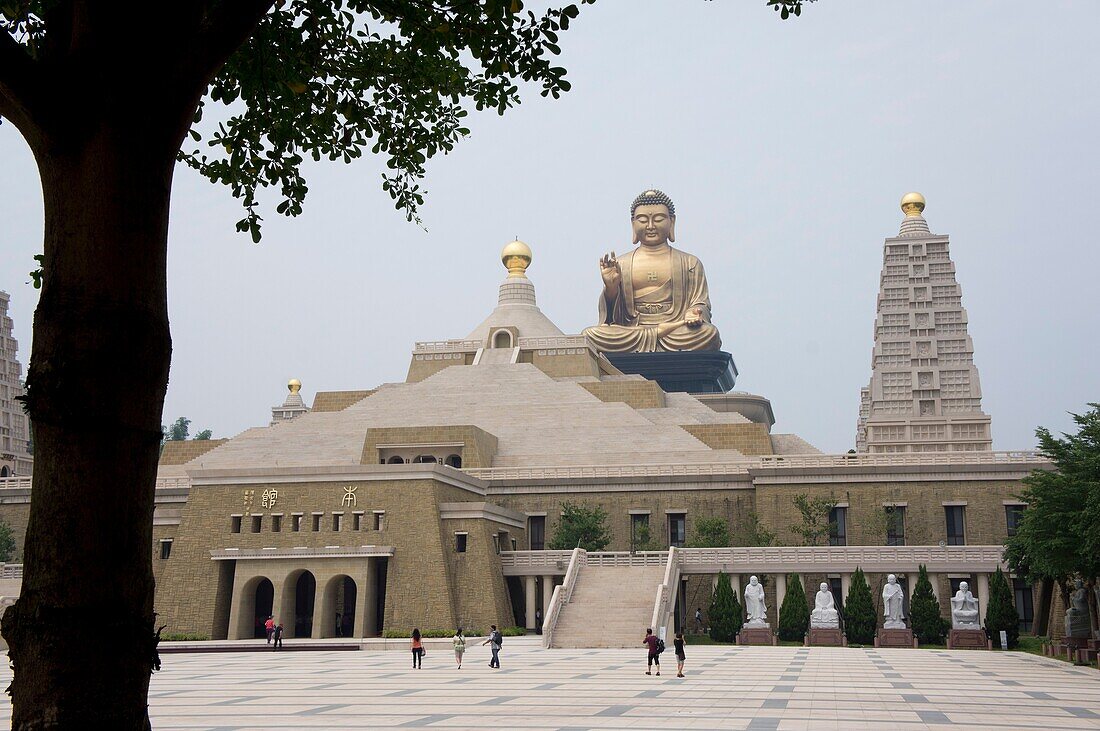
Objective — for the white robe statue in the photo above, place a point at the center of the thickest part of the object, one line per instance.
(824, 614)
(754, 604)
(892, 596)
(964, 609)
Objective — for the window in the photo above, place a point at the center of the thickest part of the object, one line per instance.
(276, 523)
(1024, 607)
(677, 529)
(639, 531)
(515, 544)
(296, 522)
(838, 527)
(337, 521)
(235, 526)
(496, 544)
(317, 521)
(895, 525)
(257, 523)
(379, 520)
(1012, 517)
(425, 459)
(956, 524)
(460, 542)
(396, 460)
(357, 521)
(454, 460)
(536, 532)
(165, 548)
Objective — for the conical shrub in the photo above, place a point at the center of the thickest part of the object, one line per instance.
(859, 612)
(924, 609)
(794, 615)
(1001, 613)
(723, 611)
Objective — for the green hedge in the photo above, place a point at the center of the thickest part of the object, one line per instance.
(183, 637)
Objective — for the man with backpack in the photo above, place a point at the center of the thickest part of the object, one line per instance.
(656, 647)
(495, 640)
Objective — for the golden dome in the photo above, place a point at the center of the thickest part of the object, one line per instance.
(912, 204)
(294, 385)
(516, 257)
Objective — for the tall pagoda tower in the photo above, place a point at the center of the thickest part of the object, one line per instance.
(15, 434)
(924, 394)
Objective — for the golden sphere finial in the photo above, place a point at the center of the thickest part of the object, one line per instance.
(912, 204)
(516, 257)
(294, 385)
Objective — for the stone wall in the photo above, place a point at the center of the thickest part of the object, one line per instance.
(183, 451)
(637, 394)
(479, 446)
(749, 439)
(338, 400)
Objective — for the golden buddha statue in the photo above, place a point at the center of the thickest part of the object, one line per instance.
(656, 297)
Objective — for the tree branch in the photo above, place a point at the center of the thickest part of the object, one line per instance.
(226, 26)
(20, 84)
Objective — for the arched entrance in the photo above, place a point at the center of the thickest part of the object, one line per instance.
(338, 605)
(256, 599)
(396, 460)
(4, 471)
(502, 339)
(299, 593)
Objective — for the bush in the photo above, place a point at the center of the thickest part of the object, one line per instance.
(724, 612)
(794, 615)
(513, 631)
(581, 527)
(7, 542)
(859, 612)
(428, 633)
(1001, 613)
(924, 609)
(183, 637)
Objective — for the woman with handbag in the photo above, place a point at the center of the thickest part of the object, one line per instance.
(417, 649)
(459, 642)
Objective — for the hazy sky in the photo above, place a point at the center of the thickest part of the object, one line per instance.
(785, 145)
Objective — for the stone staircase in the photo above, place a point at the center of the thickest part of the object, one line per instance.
(611, 606)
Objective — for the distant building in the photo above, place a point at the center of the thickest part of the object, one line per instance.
(924, 394)
(15, 433)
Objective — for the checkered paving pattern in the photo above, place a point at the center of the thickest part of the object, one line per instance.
(740, 688)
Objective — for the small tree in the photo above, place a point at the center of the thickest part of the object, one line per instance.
(794, 615)
(179, 430)
(712, 532)
(581, 527)
(859, 612)
(724, 612)
(1001, 613)
(751, 532)
(7, 542)
(643, 539)
(924, 609)
(815, 525)
(204, 435)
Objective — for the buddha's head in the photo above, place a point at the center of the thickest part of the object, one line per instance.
(892, 579)
(753, 580)
(964, 587)
(653, 218)
(824, 586)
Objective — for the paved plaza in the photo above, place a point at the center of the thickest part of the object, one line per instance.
(756, 688)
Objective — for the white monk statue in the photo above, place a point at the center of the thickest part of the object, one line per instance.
(892, 596)
(754, 604)
(964, 609)
(824, 614)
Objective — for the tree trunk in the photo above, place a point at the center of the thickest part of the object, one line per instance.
(82, 634)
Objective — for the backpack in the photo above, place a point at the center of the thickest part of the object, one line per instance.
(660, 645)
(498, 638)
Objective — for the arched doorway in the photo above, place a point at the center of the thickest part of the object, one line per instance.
(256, 599)
(502, 339)
(396, 460)
(338, 604)
(4, 471)
(263, 601)
(455, 461)
(299, 593)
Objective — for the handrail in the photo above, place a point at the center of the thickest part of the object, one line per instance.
(11, 571)
(666, 591)
(561, 596)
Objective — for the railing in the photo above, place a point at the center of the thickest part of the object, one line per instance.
(562, 594)
(666, 592)
(905, 459)
(163, 483)
(447, 346)
(11, 571)
(534, 563)
(563, 341)
(625, 558)
(566, 472)
(811, 559)
(15, 483)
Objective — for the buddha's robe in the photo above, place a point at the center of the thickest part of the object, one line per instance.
(628, 324)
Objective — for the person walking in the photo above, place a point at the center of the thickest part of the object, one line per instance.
(699, 619)
(538, 621)
(459, 642)
(678, 646)
(269, 628)
(277, 634)
(653, 643)
(495, 640)
(417, 649)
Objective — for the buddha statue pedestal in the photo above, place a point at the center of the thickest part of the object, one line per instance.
(756, 636)
(895, 638)
(825, 637)
(693, 371)
(968, 639)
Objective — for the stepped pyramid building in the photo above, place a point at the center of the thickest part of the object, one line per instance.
(924, 394)
(15, 434)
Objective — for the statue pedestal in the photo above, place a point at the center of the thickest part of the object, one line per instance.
(756, 636)
(825, 637)
(693, 371)
(968, 639)
(895, 638)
